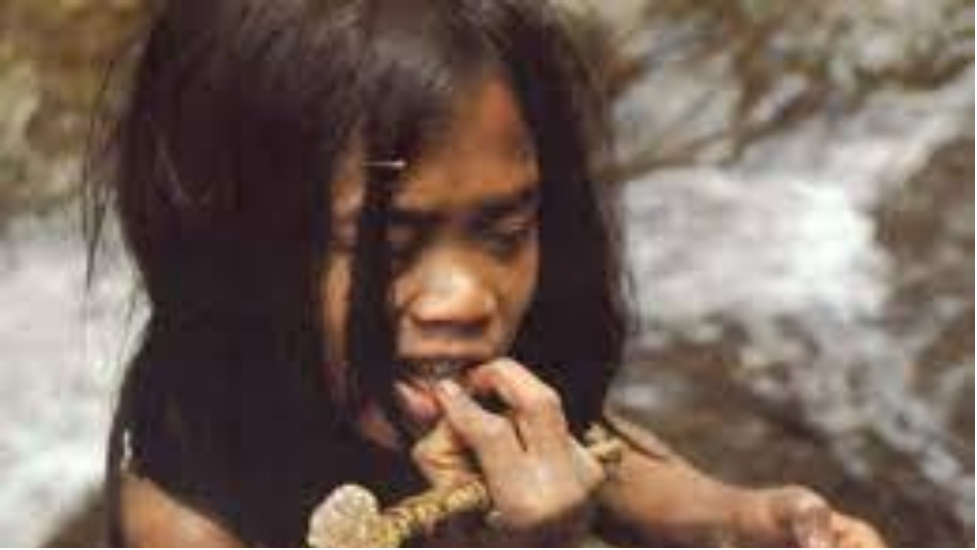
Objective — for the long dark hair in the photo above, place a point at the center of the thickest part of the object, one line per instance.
(233, 124)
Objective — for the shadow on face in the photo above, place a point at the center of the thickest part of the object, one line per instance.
(463, 245)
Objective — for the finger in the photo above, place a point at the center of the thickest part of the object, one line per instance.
(810, 523)
(854, 533)
(812, 529)
(442, 458)
(492, 438)
(589, 470)
(536, 407)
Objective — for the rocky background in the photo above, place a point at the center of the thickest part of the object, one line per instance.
(797, 184)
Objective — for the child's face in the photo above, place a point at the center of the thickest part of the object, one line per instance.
(464, 245)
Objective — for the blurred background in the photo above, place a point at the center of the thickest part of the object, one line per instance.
(798, 197)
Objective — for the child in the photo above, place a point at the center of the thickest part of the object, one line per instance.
(375, 251)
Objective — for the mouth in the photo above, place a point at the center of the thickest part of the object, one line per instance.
(415, 386)
(437, 369)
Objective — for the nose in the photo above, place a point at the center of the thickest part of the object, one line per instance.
(451, 301)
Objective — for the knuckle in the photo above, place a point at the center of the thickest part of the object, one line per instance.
(804, 499)
(419, 453)
(862, 529)
(528, 515)
(500, 368)
(503, 363)
(595, 478)
(540, 509)
(492, 428)
(550, 399)
(546, 404)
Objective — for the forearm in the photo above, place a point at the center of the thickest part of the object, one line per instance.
(657, 495)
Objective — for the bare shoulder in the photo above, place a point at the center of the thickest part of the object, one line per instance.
(152, 517)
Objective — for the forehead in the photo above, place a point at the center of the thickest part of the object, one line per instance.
(485, 151)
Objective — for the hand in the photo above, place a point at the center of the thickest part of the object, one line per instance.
(797, 516)
(540, 479)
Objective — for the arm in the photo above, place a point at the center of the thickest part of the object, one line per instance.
(656, 494)
(151, 517)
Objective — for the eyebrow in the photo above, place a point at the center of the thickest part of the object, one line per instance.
(508, 205)
(489, 211)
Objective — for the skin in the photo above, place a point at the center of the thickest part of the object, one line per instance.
(465, 256)
(463, 281)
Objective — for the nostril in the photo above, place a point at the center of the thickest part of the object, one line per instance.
(460, 316)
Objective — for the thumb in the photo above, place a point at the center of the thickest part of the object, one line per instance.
(442, 458)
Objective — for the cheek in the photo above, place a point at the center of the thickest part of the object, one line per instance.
(520, 288)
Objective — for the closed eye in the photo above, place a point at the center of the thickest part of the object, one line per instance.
(508, 236)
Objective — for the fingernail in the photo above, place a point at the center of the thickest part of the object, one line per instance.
(449, 388)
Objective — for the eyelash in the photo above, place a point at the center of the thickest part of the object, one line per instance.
(507, 241)
(501, 242)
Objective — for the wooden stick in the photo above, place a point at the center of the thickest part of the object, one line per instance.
(350, 517)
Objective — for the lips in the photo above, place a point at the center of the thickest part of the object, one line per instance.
(415, 387)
